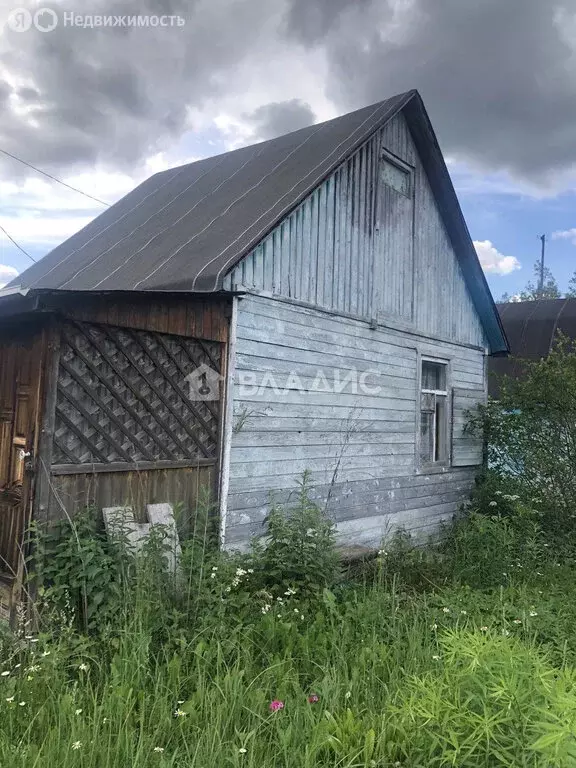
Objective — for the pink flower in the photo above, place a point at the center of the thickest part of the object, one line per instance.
(313, 698)
(276, 705)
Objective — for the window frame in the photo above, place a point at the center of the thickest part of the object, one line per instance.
(388, 157)
(427, 467)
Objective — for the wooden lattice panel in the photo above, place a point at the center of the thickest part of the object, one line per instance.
(123, 396)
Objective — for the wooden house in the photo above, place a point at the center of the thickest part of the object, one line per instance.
(313, 302)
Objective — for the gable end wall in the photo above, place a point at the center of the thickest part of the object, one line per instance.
(358, 248)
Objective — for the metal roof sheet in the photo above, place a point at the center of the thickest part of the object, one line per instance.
(531, 327)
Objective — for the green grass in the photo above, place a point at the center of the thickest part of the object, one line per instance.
(402, 678)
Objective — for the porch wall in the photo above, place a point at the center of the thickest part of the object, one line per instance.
(105, 348)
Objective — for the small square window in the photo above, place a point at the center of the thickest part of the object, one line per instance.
(433, 413)
(395, 177)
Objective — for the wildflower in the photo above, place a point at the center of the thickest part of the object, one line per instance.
(250, 570)
(104, 720)
(493, 504)
(347, 694)
(275, 705)
(464, 613)
(242, 750)
(483, 629)
(17, 666)
(436, 658)
(77, 745)
(506, 632)
(434, 626)
(533, 613)
(78, 712)
(213, 575)
(313, 698)
(180, 701)
(29, 678)
(46, 653)
(498, 493)
(240, 572)
(10, 699)
(214, 567)
(34, 640)
(5, 673)
(83, 667)
(21, 703)
(445, 610)
(33, 668)
(179, 713)
(517, 621)
(280, 599)
(158, 749)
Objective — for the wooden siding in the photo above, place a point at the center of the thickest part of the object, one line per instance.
(181, 315)
(186, 487)
(357, 247)
(360, 448)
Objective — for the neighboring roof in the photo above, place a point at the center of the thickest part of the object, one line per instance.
(531, 328)
(185, 228)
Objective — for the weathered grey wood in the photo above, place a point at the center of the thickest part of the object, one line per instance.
(128, 466)
(359, 448)
(357, 246)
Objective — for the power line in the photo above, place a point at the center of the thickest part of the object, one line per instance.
(16, 244)
(38, 170)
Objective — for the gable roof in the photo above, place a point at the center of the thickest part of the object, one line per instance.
(183, 229)
(531, 328)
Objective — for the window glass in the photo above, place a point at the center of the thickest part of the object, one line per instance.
(433, 376)
(433, 414)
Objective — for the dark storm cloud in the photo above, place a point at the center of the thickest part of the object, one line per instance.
(276, 118)
(498, 78)
(116, 95)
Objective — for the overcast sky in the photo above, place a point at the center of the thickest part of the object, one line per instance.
(104, 108)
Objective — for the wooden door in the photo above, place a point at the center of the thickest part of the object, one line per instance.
(20, 369)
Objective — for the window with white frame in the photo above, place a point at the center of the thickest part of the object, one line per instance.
(434, 413)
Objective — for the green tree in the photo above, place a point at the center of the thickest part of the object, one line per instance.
(532, 291)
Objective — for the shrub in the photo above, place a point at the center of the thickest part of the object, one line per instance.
(300, 547)
(531, 433)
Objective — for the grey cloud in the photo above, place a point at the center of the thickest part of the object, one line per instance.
(115, 95)
(276, 118)
(498, 78)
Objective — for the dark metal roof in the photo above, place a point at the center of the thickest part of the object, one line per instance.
(185, 228)
(531, 328)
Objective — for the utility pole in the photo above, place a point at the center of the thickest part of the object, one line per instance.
(541, 285)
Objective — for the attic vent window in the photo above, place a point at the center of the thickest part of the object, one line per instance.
(395, 177)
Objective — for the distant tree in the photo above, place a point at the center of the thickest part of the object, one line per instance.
(571, 292)
(532, 291)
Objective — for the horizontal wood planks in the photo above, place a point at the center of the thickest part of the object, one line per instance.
(359, 446)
